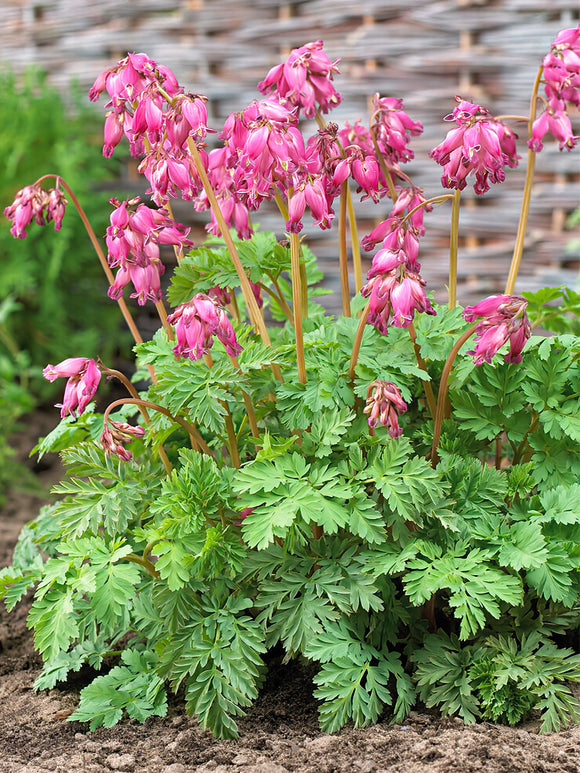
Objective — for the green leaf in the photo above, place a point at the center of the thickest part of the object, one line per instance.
(54, 621)
(442, 674)
(133, 688)
(553, 578)
(524, 547)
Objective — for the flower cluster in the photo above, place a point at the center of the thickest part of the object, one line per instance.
(115, 434)
(196, 324)
(480, 145)
(34, 203)
(395, 287)
(83, 376)
(305, 80)
(133, 240)
(561, 75)
(504, 319)
(158, 118)
(383, 405)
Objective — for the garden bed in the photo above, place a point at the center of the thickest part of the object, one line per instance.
(279, 733)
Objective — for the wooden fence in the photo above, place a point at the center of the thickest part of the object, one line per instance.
(425, 51)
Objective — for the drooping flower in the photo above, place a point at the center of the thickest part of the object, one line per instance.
(480, 145)
(34, 203)
(133, 240)
(83, 376)
(384, 403)
(115, 434)
(394, 297)
(196, 324)
(504, 319)
(305, 80)
(393, 129)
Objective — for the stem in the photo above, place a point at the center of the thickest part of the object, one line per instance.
(433, 200)
(100, 254)
(279, 298)
(163, 317)
(386, 171)
(443, 392)
(421, 363)
(357, 341)
(453, 248)
(356, 258)
(247, 403)
(297, 302)
(342, 250)
(190, 428)
(251, 303)
(144, 562)
(232, 439)
(519, 245)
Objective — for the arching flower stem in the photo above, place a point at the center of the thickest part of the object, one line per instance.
(519, 245)
(430, 397)
(146, 418)
(443, 388)
(251, 303)
(100, 254)
(196, 439)
(358, 340)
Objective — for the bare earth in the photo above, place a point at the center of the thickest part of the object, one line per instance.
(279, 734)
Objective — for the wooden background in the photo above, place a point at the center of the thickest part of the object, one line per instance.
(425, 51)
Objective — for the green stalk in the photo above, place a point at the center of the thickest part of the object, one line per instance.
(519, 245)
(430, 397)
(251, 303)
(357, 341)
(297, 303)
(342, 250)
(443, 387)
(356, 258)
(453, 248)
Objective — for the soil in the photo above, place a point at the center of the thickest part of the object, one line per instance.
(279, 734)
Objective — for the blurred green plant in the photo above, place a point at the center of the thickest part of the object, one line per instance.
(58, 289)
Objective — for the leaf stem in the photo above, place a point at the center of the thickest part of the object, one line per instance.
(443, 387)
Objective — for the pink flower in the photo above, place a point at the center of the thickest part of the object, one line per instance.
(393, 129)
(34, 203)
(115, 434)
(133, 240)
(145, 279)
(196, 323)
(384, 404)
(504, 319)
(557, 122)
(394, 297)
(305, 80)
(480, 145)
(83, 379)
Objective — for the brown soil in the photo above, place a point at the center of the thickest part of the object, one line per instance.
(279, 734)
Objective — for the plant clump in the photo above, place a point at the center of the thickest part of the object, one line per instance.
(378, 492)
